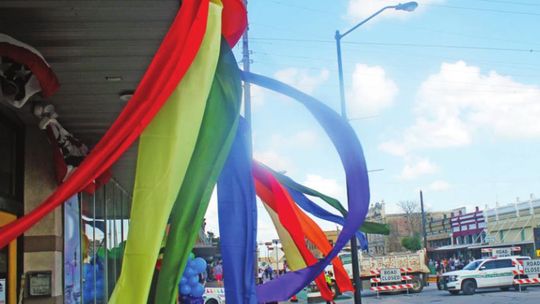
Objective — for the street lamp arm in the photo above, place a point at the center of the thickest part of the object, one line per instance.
(339, 36)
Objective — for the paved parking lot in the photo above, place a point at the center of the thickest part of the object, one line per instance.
(432, 295)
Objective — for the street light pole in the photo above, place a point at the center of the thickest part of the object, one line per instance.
(409, 7)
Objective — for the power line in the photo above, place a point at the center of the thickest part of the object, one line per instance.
(491, 10)
(416, 45)
(511, 2)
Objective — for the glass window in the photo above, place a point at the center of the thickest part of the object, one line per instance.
(105, 219)
(522, 235)
(504, 263)
(501, 235)
(7, 160)
(473, 265)
(489, 265)
(345, 258)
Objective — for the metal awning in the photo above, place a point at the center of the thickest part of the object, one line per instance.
(451, 247)
(501, 245)
(98, 49)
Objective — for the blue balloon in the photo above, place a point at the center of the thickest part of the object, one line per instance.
(189, 272)
(185, 290)
(197, 291)
(194, 280)
(183, 280)
(199, 265)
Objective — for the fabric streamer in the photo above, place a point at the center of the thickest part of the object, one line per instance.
(311, 230)
(170, 63)
(367, 227)
(237, 211)
(309, 206)
(352, 157)
(277, 198)
(217, 132)
(173, 134)
(167, 68)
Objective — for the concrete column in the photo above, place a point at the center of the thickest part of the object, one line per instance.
(43, 243)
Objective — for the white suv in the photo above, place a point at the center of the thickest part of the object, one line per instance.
(484, 273)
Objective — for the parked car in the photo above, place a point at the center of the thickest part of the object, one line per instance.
(214, 295)
(483, 273)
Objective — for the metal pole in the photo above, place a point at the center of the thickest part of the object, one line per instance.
(354, 245)
(340, 74)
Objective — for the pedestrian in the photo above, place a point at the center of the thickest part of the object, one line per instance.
(260, 276)
(218, 274)
(328, 278)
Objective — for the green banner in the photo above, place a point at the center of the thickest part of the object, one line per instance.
(213, 145)
(165, 150)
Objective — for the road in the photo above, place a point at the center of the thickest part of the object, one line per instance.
(432, 295)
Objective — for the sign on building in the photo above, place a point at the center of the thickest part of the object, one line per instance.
(531, 266)
(2, 291)
(390, 275)
(501, 252)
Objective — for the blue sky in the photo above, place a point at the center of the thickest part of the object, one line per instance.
(445, 99)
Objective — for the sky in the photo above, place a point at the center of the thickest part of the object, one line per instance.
(445, 99)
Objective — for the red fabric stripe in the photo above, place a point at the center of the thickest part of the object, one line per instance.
(234, 20)
(44, 74)
(169, 65)
(281, 203)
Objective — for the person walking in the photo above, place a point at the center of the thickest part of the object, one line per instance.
(218, 274)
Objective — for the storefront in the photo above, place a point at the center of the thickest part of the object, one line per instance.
(11, 146)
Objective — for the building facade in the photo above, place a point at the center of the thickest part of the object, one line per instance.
(513, 225)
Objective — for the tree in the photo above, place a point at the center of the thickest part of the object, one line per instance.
(413, 216)
(412, 243)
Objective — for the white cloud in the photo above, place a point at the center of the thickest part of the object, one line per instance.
(302, 79)
(358, 10)
(273, 160)
(371, 91)
(439, 185)
(393, 148)
(326, 186)
(460, 102)
(301, 139)
(418, 168)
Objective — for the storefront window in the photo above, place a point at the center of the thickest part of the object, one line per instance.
(105, 217)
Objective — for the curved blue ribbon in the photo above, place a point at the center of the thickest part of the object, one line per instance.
(352, 157)
(309, 206)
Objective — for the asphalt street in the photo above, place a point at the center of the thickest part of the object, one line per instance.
(432, 295)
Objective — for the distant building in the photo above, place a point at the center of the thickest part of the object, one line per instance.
(512, 225)
(438, 230)
(377, 242)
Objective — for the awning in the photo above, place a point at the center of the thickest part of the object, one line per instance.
(501, 245)
(451, 247)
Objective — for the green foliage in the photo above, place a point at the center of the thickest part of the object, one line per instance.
(412, 243)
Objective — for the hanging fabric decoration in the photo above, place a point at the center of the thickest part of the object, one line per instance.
(173, 134)
(216, 135)
(168, 67)
(277, 198)
(237, 212)
(352, 157)
(311, 230)
(23, 72)
(309, 206)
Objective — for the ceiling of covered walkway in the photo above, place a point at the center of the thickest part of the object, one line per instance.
(99, 50)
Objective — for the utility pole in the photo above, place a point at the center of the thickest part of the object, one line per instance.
(247, 88)
(423, 219)
(247, 115)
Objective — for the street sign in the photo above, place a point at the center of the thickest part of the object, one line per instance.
(390, 275)
(501, 252)
(531, 266)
